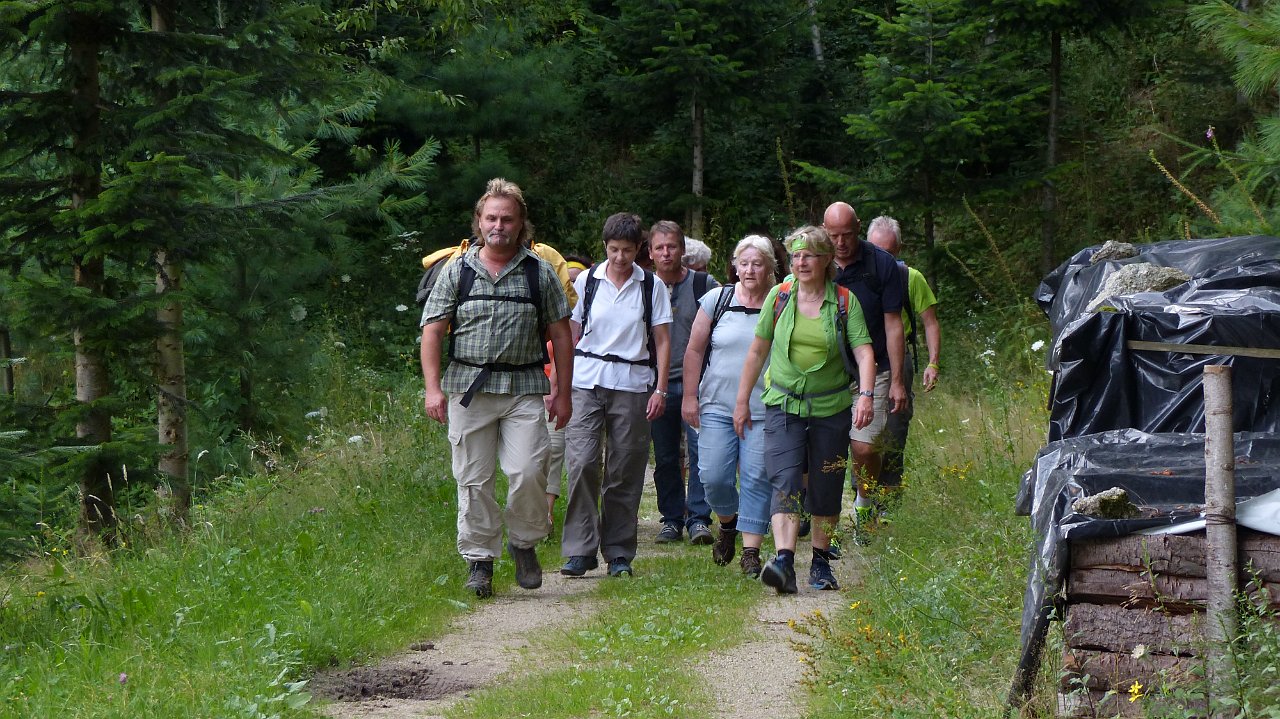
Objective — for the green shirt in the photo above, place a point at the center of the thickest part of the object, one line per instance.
(814, 383)
(920, 296)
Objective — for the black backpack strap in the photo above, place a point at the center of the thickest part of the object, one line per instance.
(843, 298)
(588, 296)
(700, 282)
(646, 293)
(722, 305)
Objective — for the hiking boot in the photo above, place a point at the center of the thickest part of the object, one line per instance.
(780, 573)
(750, 562)
(669, 533)
(619, 567)
(726, 545)
(700, 533)
(528, 570)
(820, 576)
(480, 579)
(578, 566)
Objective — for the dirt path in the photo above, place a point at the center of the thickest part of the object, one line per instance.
(758, 678)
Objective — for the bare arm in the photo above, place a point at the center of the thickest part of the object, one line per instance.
(932, 340)
(432, 340)
(756, 355)
(897, 345)
(864, 409)
(699, 339)
(662, 343)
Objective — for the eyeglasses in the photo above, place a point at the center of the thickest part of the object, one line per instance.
(805, 256)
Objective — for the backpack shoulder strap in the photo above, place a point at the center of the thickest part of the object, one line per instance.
(533, 278)
(700, 282)
(588, 295)
(780, 301)
(722, 306)
(646, 293)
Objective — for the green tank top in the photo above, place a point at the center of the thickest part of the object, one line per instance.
(808, 343)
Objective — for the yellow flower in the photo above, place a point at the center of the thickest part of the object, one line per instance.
(1135, 691)
(855, 605)
(39, 594)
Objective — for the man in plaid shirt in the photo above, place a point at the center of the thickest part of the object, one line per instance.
(491, 393)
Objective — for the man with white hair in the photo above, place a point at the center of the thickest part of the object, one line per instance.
(697, 255)
(921, 309)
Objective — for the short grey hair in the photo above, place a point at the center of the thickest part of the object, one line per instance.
(885, 222)
(696, 252)
(761, 244)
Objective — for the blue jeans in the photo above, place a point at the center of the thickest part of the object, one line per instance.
(733, 473)
(674, 504)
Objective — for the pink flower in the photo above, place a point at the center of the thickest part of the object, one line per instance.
(124, 678)
(1208, 134)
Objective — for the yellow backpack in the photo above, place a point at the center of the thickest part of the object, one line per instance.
(434, 262)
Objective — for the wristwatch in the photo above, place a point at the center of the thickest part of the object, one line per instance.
(658, 391)
(866, 393)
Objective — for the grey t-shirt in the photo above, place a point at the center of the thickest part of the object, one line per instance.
(729, 342)
(684, 307)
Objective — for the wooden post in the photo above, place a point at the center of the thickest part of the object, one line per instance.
(1220, 531)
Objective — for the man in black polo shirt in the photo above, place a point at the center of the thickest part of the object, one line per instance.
(873, 276)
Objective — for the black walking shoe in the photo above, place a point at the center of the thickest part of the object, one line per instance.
(725, 547)
(670, 532)
(480, 580)
(528, 570)
(700, 533)
(578, 566)
(780, 574)
(820, 576)
(750, 562)
(619, 567)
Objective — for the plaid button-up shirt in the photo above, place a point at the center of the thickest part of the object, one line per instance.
(489, 330)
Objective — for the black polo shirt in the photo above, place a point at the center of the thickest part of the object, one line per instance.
(873, 277)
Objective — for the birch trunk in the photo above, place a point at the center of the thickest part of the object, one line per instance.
(1049, 200)
(696, 220)
(1220, 531)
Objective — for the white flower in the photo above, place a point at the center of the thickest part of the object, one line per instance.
(318, 413)
(340, 345)
(346, 279)
(1037, 345)
(401, 308)
(355, 439)
(298, 313)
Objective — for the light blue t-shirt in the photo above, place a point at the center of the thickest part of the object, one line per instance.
(729, 342)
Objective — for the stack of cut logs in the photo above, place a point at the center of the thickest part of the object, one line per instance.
(1134, 614)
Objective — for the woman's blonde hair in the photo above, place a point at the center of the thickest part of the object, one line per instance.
(815, 240)
(764, 246)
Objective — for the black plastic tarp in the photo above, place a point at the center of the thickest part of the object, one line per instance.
(1101, 383)
(1163, 473)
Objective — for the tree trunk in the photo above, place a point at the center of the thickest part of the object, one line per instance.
(245, 415)
(816, 32)
(1049, 201)
(695, 224)
(1220, 533)
(171, 373)
(6, 354)
(97, 510)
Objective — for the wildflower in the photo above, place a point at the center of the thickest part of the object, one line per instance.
(124, 679)
(1037, 345)
(1208, 135)
(355, 439)
(298, 313)
(39, 594)
(317, 413)
(855, 605)
(1135, 691)
(401, 308)
(346, 279)
(1140, 651)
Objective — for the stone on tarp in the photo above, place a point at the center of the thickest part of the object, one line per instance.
(1108, 504)
(1113, 250)
(1142, 277)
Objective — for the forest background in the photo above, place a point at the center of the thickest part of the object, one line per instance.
(212, 218)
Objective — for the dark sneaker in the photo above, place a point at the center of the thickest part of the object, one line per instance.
(726, 545)
(700, 533)
(480, 580)
(578, 566)
(670, 533)
(820, 576)
(750, 562)
(780, 574)
(528, 571)
(619, 567)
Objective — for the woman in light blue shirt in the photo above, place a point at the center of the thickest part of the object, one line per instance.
(731, 469)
